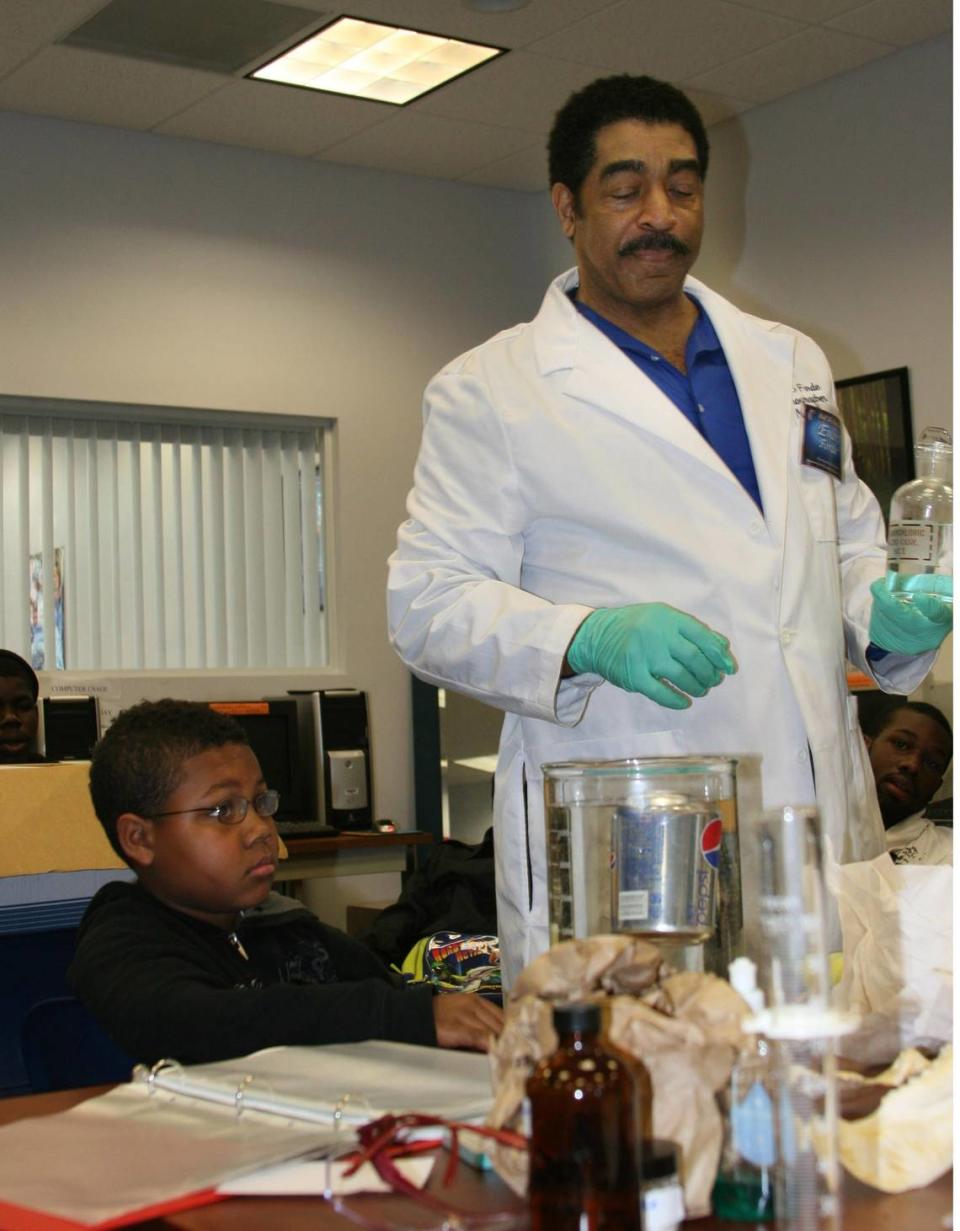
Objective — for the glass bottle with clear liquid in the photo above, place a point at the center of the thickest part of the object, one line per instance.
(920, 552)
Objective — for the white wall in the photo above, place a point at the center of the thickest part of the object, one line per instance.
(832, 210)
(156, 270)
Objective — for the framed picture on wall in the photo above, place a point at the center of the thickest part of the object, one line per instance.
(46, 634)
(876, 411)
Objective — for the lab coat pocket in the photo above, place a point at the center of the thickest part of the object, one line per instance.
(819, 499)
(615, 746)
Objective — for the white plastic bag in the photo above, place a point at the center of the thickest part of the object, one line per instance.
(897, 924)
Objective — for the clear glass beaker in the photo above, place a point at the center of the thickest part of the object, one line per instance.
(635, 846)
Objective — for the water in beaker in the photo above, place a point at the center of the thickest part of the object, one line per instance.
(635, 845)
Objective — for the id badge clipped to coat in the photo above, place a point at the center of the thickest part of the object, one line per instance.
(822, 440)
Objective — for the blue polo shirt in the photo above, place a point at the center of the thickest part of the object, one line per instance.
(706, 395)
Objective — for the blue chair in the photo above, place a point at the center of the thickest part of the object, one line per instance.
(64, 1047)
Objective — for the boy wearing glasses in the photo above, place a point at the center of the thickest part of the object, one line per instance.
(198, 960)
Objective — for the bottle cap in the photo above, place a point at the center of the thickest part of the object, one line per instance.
(581, 1015)
(743, 979)
(658, 1159)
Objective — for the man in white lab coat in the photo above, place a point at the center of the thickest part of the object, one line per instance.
(635, 525)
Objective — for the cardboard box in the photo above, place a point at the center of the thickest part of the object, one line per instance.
(48, 823)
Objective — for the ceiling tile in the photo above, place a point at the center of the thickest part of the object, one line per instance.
(102, 89)
(892, 21)
(39, 21)
(810, 12)
(12, 54)
(524, 171)
(518, 90)
(670, 40)
(489, 127)
(272, 117)
(427, 145)
(715, 108)
(216, 36)
(794, 64)
(539, 18)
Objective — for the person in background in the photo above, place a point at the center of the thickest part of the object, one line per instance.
(910, 746)
(199, 960)
(635, 523)
(19, 714)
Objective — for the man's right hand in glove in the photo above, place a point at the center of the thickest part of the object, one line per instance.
(651, 648)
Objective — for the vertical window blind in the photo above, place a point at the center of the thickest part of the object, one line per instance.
(134, 544)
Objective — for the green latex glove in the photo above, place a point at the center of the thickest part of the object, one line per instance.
(914, 627)
(649, 647)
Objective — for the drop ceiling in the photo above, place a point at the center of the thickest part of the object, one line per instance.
(487, 128)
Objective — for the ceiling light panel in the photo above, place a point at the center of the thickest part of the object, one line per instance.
(372, 60)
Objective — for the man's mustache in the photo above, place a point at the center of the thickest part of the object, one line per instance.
(652, 243)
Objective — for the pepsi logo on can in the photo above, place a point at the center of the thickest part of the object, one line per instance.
(710, 841)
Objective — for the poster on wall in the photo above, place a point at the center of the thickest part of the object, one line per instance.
(876, 412)
(46, 635)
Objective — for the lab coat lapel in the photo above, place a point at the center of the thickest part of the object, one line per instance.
(761, 361)
(601, 376)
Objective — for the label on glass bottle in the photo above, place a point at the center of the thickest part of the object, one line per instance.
(751, 1121)
(916, 542)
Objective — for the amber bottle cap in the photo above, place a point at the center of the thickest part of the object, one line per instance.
(581, 1015)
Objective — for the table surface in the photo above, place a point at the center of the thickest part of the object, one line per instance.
(865, 1209)
(354, 840)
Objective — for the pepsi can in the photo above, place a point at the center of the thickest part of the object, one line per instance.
(664, 862)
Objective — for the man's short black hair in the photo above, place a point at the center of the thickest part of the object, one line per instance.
(572, 143)
(138, 763)
(12, 666)
(881, 716)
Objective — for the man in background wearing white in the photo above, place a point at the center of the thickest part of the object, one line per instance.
(910, 745)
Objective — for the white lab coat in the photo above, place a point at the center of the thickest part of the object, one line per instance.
(917, 840)
(553, 478)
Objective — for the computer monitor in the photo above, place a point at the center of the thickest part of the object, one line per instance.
(275, 730)
(71, 727)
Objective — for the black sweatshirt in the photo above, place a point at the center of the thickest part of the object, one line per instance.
(164, 984)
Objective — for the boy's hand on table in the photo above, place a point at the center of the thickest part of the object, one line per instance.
(464, 1019)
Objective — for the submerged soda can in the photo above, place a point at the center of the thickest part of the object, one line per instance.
(664, 871)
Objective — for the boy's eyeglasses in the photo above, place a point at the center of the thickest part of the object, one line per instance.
(233, 810)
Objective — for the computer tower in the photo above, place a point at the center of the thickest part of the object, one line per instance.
(342, 748)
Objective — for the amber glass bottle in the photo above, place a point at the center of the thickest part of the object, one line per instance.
(589, 1114)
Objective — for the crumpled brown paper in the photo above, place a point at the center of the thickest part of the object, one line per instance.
(684, 1026)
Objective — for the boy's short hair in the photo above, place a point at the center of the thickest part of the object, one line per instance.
(138, 763)
(882, 715)
(12, 666)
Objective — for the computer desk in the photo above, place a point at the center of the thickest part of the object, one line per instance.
(351, 854)
(865, 1209)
